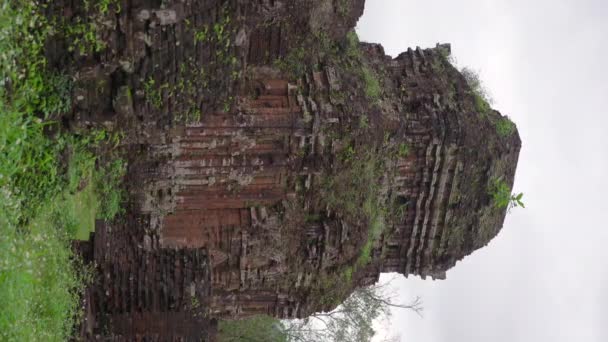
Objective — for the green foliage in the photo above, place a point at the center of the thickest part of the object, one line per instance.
(505, 127)
(352, 45)
(353, 320)
(40, 279)
(377, 225)
(320, 49)
(342, 7)
(363, 121)
(201, 34)
(258, 328)
(47, 196)
(352, 55)
(348, 274)
(55, 97)
(502, 196)
(196, 89)
(154, 93)
(108, 186)
(28, 164)
(83, 32)
(104, 6)
(356, 192)
(481, 96)
(371, 83)
(83, 36)
(23, 31)
(404, 150)
(294, 63)
(347, 154)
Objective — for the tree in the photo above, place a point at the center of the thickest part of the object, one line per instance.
(352, 321)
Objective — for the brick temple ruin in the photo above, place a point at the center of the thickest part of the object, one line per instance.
(267, 174)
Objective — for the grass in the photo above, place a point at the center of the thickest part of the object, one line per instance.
(153, 93)
(376, 214)
(255, 328)
(505, 127)
(481, 96)
(370, 81)
(82, 207)
(404, 150)
(356, 191)
(52, 186)
(40, 280)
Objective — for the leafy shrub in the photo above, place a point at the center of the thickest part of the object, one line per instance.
(502, 196)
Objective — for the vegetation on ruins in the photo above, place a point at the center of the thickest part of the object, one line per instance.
(505, 127)
(502, 196)
(482, 97)
(319, 49)
(257, 328)
(52, 184)
(154, 93)
(83, 32)
(195, 90)
(356, 191)
(372, 86)
(404, 150)
(351, 321)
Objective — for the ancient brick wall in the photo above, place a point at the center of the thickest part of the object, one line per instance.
(230, 210)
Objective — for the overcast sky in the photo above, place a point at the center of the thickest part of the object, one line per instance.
(545, 277)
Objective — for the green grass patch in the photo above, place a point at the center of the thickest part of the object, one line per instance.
(40, 280)
(371, 83)
(505, 127)
(83, 207)
(357, 193)
(256, 328)
(404, 150)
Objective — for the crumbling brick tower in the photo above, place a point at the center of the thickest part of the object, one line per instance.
(276, 163)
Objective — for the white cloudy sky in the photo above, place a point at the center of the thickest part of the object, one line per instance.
(545, 277)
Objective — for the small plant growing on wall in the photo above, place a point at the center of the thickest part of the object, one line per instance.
(502, 196)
